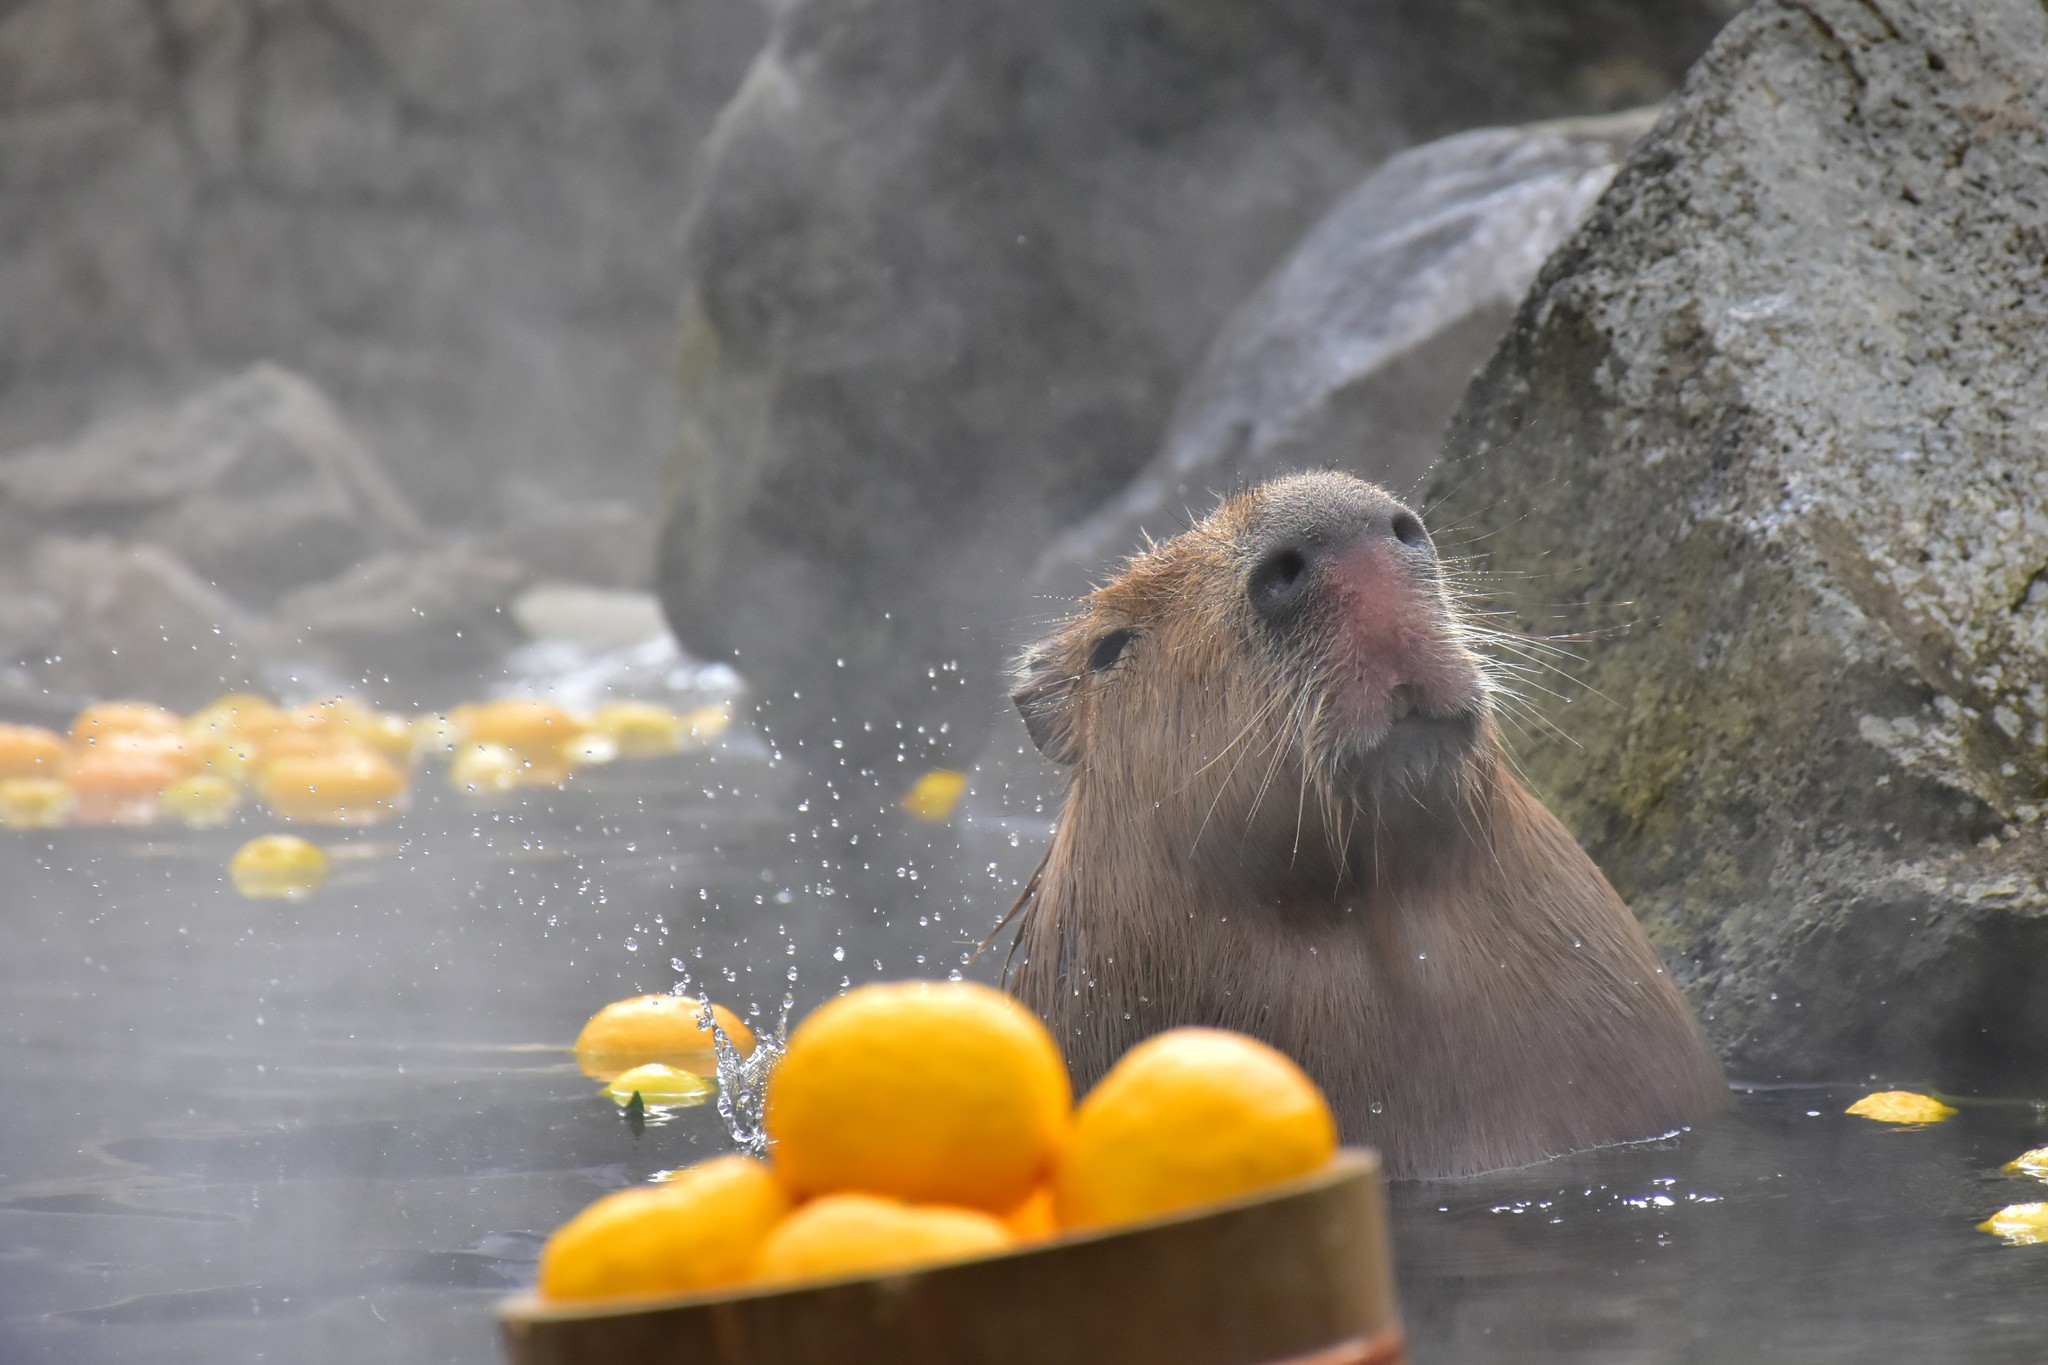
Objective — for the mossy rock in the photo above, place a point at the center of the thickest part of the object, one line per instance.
(1774, 425)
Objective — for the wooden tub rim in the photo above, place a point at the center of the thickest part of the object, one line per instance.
(1347, 1165)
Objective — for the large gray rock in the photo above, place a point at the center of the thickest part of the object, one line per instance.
(605, 542)
(414, 618)
(463, 219)
(255, 482)
(953, 260)
(1782, 409)
(247, 537)
(95, 618)
(1354, 353)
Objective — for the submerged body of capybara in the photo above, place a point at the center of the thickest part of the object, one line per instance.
(1289, 813)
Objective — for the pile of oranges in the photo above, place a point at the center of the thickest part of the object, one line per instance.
(930, 1121)
(336, 762)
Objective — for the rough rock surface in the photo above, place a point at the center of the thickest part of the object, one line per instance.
(1782, 407)
(953, 260)
(462, 219)
(1355, 352)
(415, 615)
(247, 536)
(606, 542)
(131, 620)
(254, 482)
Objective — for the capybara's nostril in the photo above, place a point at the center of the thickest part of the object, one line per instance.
(1278, 582)
(1408, 530)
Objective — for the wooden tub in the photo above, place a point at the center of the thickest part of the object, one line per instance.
(1295, 1275)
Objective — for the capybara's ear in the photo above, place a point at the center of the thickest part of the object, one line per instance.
(1045, 698)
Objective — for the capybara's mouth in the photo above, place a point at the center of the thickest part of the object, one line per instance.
(1411, 752)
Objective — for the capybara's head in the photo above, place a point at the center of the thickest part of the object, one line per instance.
(1288, 813)
(1291, 666)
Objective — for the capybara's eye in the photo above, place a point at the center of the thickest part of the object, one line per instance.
(1409, 531)
(1109, 649)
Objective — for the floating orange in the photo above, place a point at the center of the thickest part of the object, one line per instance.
(526, 725)
(346, 786)
(117, 786)
(655, 1028)
(239, 718)
(277, 867)
(31, 751)
(35, 803)
(203, 800)
(1900, 1106)
(105, 718)
(640, 729)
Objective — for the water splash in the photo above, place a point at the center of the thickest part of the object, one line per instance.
(743, 1081)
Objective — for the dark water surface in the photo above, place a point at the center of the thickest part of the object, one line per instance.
(336, 1130)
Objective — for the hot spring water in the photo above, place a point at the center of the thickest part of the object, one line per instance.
(336, 1129)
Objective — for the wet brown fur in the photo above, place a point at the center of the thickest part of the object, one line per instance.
(1250, 841)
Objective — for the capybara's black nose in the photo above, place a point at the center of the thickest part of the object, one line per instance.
(1280, 580)
(1285, 573)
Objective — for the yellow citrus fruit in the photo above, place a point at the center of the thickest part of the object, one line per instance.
(933, 796)
(863, 1234)
(345, 786)
(939, 1092)
(588, 750)
(170, 747)
(2021, 1225)
(433, 733)
(705, 724)
(360, 725)
(1188, 1117)
(119, 786)
(234, 759)
(238, 718)
(203, 800)
(117, 771)
(389, 735)
(2033, 1163)
(1034, 1220)
(486, 769)
(277, 866)
(492, 770)
(523, 724)
(31, 751)
(659, 1087)
(1900, 1106)
(698, 1229)
(105, 718)
(640, 729)
(295, 741)
(655, 1028)
(34, 803)
(337, 715)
